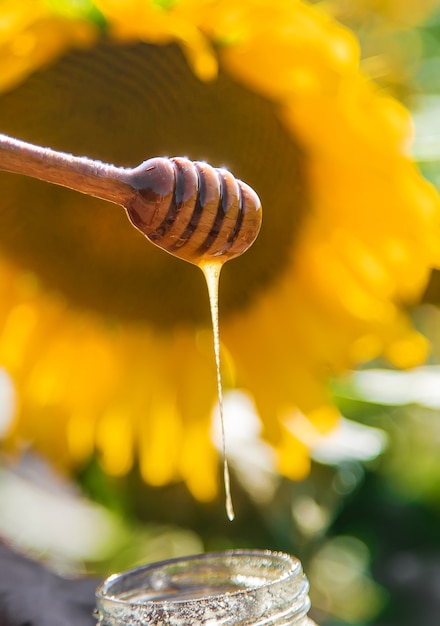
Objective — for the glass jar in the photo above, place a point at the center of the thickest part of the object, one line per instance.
(233, 588)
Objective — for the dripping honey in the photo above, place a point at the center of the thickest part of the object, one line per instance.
(202, 215)
(193, 211)
(212, 275)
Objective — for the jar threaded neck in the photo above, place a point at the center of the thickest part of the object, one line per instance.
(235, 588)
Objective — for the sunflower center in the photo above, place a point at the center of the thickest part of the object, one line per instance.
(124, 104)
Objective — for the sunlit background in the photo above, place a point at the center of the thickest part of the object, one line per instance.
(366, 521)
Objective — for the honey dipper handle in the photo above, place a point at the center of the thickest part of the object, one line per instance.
(79, 173)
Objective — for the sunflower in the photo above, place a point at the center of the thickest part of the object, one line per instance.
(106, 337)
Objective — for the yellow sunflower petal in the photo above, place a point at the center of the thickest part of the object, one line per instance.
(31, 36)
(144, 21)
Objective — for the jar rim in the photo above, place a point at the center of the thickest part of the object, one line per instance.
(293, 569)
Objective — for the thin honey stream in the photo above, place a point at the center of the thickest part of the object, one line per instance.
(211, 271)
